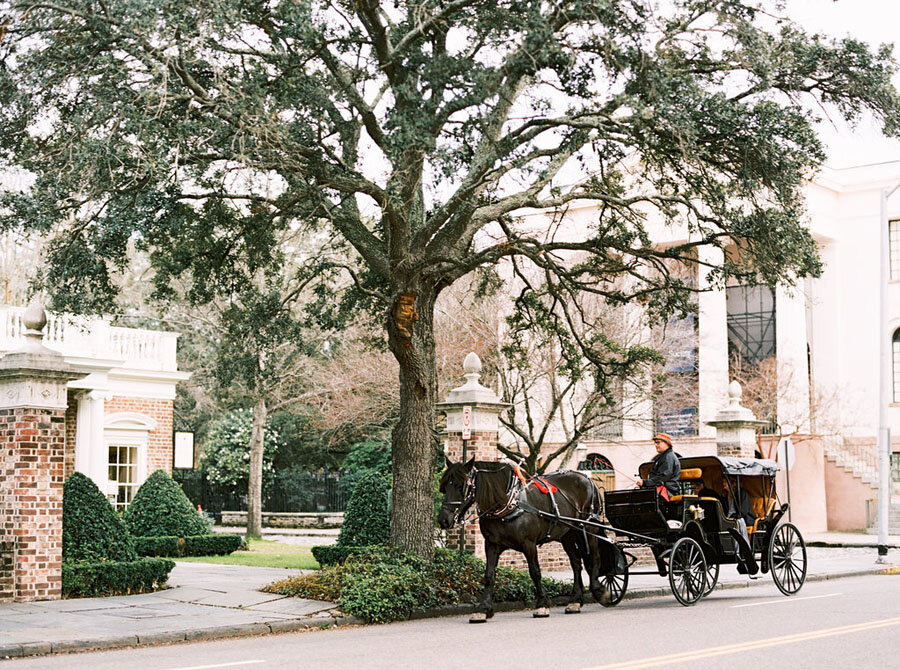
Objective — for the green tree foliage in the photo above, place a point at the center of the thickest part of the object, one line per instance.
(92, 531)
(161, 508)
(366, 520)
(226, 454)
(404, 131)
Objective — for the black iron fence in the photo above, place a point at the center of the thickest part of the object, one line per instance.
(304, 492)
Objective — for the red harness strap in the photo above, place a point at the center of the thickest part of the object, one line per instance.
(543, 485)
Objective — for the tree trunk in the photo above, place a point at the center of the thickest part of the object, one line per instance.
(411, 338)
(254, 487)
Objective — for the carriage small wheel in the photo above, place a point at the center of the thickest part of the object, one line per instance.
(687, 571)
(787, 558)
(712, 576)
(616, 584)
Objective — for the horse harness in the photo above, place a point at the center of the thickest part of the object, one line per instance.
(515, 503)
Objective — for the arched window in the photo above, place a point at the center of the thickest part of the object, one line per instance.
(895, 349)
(596, 463)
(601, 470)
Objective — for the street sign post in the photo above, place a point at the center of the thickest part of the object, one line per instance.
(467, 422)
(785, 455)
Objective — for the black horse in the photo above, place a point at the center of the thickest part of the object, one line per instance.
(507, 523)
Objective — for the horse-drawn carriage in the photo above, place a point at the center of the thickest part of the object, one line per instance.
(690, 535)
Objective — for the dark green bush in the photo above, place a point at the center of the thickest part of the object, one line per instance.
(157, 545)
(112, 578)
(210, 545)
(378, 584)
(366, 520)
(193, 545)
(161, 508)
(330, 554)
(92, 531)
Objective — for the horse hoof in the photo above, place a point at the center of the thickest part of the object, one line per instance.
(478, 617)
(605, 598)
(541, 613)
(573, 608)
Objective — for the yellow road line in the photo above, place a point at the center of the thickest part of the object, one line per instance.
(747, 646)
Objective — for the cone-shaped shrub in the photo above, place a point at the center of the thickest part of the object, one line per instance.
(366, 520)
(92, 531)
(161, 508)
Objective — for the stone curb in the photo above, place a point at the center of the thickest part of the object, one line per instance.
(849, 545)
(322, 622)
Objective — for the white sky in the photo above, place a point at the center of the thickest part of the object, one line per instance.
(873, 21)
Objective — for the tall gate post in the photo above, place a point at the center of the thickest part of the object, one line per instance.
(735, 426)
(32, 451)
(483, 416)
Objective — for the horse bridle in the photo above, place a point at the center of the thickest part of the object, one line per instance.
(465, 502)
(468, 497)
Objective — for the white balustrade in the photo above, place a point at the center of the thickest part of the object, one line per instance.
(94, 338)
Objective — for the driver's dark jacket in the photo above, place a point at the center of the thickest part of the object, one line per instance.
(740, 506)
(664, 470)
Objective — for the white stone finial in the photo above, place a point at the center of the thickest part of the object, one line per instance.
(735, 393)
(472, 364)
(34, 319)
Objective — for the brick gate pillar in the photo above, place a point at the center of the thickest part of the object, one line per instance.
(735, 426)
(32, 444)
(484, 409)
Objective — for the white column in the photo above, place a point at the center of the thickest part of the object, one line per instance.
(793, 363)
(91, 457)
(712, 345)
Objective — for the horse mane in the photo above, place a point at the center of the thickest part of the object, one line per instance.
(492, 483)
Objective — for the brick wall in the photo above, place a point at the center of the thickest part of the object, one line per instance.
(32, 451)
(7, 582)
(71, 423)
(159, 445)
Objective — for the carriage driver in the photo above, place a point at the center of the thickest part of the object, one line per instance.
(665, 468)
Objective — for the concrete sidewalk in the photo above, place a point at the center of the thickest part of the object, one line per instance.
(210, 601)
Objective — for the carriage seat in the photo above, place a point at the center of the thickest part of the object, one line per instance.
(687, 475)
(761, 510)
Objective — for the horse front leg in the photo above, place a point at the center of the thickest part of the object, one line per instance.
(542, 606)
(484, 610)
(573, 551)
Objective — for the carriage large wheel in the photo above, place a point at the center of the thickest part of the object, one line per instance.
(712, 576)
(787, 558)
(687, 571)
(616, 583)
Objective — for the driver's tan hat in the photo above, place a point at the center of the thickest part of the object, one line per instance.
(663, 437)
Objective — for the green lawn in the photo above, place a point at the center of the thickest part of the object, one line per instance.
(265, 554)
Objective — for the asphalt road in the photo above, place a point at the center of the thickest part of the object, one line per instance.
(847, 622)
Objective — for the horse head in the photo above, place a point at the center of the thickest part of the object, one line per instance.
(458, 486)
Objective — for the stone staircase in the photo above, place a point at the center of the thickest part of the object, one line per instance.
(861, 461)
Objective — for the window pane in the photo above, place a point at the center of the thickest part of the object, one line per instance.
(895, 347)
(894, 244)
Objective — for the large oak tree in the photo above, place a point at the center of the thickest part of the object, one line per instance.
(416, 131)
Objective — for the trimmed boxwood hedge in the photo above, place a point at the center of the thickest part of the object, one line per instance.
(114, 578)
(92, 531)
(161, 508)
(194, 545)
(158, 545)
(209, 545)
(366, 522)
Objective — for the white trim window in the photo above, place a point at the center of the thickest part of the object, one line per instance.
(123, 473)
(895, 350)
(126, 435)
(894, 246)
